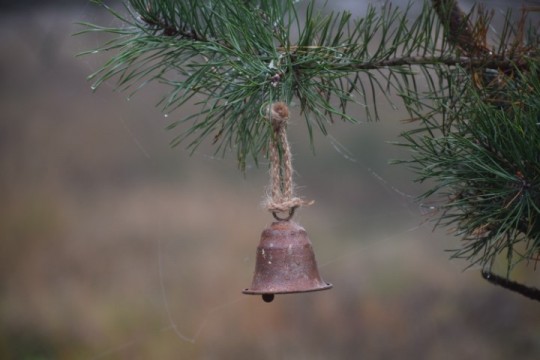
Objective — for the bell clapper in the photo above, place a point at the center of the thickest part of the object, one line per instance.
(268, 297)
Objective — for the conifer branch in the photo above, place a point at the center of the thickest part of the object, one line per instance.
(459, 31)
(483, 150)
(473, 105)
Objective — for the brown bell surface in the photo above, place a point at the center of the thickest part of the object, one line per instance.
(285, 262)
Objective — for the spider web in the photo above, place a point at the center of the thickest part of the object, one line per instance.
(404, 200)
(393, 229)
(399, 200)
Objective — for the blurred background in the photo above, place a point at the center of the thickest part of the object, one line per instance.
(115, 246)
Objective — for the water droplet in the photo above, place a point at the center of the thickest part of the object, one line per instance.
(166, 115)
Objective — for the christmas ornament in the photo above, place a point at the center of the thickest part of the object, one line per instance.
(285, 261)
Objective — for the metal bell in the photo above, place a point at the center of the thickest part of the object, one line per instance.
(285, 263)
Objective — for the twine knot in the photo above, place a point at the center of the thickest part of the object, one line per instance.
(282, 197)
(278, 115)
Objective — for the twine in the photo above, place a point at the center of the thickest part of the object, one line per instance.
(282, 197)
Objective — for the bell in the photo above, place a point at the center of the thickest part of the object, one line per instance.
(285, 263)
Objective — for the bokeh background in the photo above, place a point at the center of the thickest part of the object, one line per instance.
(115, 246)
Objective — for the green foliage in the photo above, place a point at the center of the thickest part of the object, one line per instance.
(233, 58)
(475, 108)
(484, 157)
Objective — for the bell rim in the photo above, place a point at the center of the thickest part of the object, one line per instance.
(248, 291)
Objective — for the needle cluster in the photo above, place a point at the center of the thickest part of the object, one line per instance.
(233, 58)
(477, 139)
(474, 106)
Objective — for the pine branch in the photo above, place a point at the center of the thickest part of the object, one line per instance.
(458, 30)
(209, 49)
(527, 291)
(474, 106)
(489, 62)
(240, 57)
(483, 153)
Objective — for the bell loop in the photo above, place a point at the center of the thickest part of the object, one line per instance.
(291, 214)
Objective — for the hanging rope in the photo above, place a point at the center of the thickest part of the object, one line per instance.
(282, 199)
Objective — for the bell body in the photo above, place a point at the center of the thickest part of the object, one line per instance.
(285, 262)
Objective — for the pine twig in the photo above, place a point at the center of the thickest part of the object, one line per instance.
(457, 28)
(527, 291)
